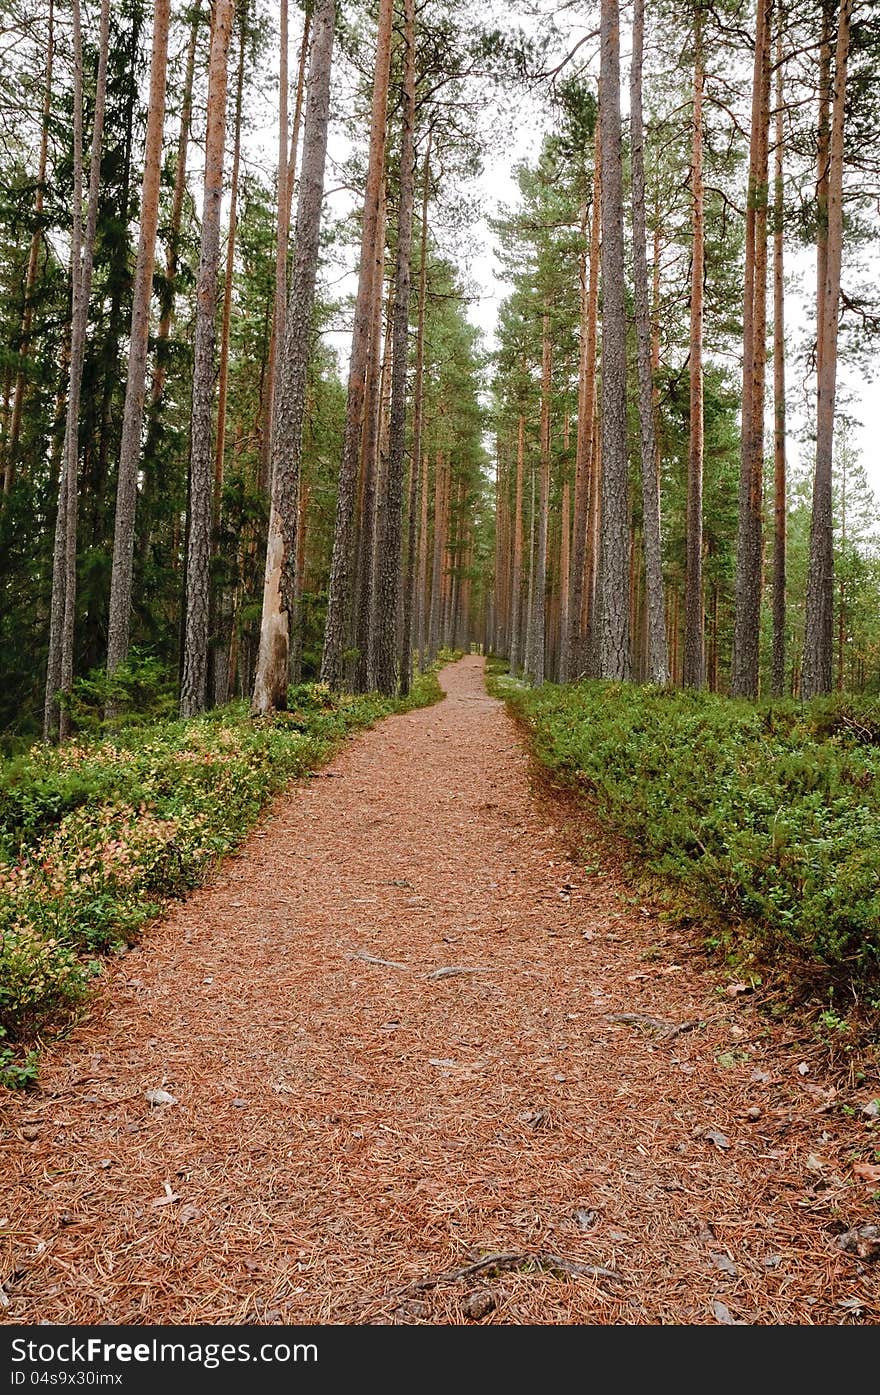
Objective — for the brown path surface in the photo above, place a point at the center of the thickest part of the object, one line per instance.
(345, 1132)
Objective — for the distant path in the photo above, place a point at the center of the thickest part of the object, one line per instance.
(346, 1133)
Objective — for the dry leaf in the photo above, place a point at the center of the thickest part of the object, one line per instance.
(188, 1212)
(722, 1312)
(869, 1172)
(159, 1097)
(719, 1139)
(166, 1200)
(733, 990)
(725, 1264)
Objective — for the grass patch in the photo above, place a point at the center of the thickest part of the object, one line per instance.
(96, 837)
(766, 815)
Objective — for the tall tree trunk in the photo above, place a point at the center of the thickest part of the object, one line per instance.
(573, 648)
(388, 550)
(286, 179)
(530, 592)
(614, 655)
(777, 686)
(439, 545)
(658, 661)
(166, 318)
(516, 568)
(693, 673)
(280, 590)
(564, 569)
(135, 387)
(539, 587)
(415, 468)
(62, 619)
(339, 594)
(823, 159)
(747, 620)
(819, 626)
(228, 285)
(193, 691)
(365, 574)
(27, 317)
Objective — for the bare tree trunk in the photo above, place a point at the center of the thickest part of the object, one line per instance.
(530, 593)
(286, 178)
(658, 661)
(747, 620)
(339, 596)
(388, 551)
(614, 655)
(365, 572)
(62, 619)
(280, 590)
(30, 282)
(415, 468)
(193, 692)
(440, 488)
(538, 590)
(226, 324)
(589, 296)
(564, 570)
(777, 687)
(819, 627)
(166, 319)
(135, 387)
(516, 569)
(694, 670)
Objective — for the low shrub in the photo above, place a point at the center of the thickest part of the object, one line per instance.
(97, 835)
(767, 814)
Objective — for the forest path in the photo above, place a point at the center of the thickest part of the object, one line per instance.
(346, 1134)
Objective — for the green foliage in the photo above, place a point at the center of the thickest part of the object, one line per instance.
(767, 814)
(97, 835)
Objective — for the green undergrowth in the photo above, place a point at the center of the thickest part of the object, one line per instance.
(763, 818)
(96, 837)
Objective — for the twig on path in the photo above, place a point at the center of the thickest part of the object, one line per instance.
(372, 959)
(668, 1030)
(451, 970)
(518, 1259)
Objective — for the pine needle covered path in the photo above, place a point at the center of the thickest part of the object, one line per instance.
(426, 1069)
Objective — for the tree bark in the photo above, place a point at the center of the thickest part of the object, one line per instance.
(62, 619)
(693, 673)
(339, 594)
(135, 387)
(166, 318)
(777, 684)
(388, 551)
(30, 282)
(365, 639)
(286, 179)
(280, 589)
(226, 323)
(538, 617)
(410, 584)
(193, 692)
(614, 655)
(516, 569)
(573, 647)
(747, 620)
(439, 545)
(658, 661)
(819, 627)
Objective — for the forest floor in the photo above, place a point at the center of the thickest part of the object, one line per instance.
(405, 1033)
